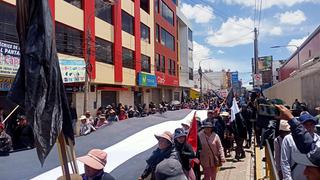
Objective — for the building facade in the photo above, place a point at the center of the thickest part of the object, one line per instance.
(166, 52)
(185, 45)
(117, 42)
(276, 65)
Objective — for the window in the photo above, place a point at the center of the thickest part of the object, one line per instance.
(190, 74)
(103, 11)
(158, 33)
(173, 68)
(156, 6)
(189, 34)
(190, 54)
(145, 33)
(277, 77)
(175, 2)
(167, 39)
(104, 51)
(127, 23)
(144, 4)
(77, 3)
(309, 53)
(8, 17)
(163, 64)
(127, 58)
(167, 13)
(145, 63)
(158, 62)
(69, 40)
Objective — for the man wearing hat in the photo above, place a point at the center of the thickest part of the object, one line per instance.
(309, 148)
(112, 116)
(289, 165)
(102, 121)
(284, 129)
(94, 162)
(5, 141)
(23, 134)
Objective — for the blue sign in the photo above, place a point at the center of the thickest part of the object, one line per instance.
(147, 80)
(234, 77)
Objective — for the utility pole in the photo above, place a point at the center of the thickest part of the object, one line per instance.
(256, 70)
(200, 74)
(86, 84)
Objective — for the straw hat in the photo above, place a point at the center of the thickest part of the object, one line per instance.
(317, 108)
(82, 117)
(224, 114)
(96, 159)
(284, 126)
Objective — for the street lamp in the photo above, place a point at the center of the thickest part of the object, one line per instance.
(291, 45)
(88, 64)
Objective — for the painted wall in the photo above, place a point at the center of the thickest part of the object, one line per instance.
(126, 97)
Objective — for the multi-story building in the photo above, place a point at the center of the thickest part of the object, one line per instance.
(166, 51)
(185, 49)
(117, 42)
(211, 80)
(275, 70)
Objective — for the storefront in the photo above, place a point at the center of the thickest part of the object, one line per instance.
(147, 82)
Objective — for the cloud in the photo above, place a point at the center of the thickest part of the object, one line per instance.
(269, 3)
(220, 51)
(292, 18)
(200, 53)
(295, 42)
(277, 31)
(199, 13)
(232, 33)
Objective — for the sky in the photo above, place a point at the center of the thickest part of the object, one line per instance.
(223, 30)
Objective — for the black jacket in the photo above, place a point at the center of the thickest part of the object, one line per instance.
(185, 153)
(156, 157)
(100, 176)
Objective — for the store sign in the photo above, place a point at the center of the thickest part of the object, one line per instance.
(72, 70)
(147, 80)
(265, 63)
(234, 77)
(257, 79)
(5, 83)
(9, 58)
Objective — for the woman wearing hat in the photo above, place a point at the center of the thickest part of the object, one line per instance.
(112, 116)
(212, 154)
(185, 152)
(165, 150)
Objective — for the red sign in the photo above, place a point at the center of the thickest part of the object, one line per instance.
(167, 80)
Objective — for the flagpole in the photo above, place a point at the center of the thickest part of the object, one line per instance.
(10, 114)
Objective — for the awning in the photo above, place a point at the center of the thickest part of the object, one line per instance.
(112, 89)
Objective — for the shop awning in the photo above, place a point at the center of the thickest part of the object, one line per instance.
(112, 89)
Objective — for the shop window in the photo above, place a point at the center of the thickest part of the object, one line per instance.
(173, 68)
(158, 62)
(190, 54)
(103, 11)
(163, 64)
(69, 40)
(145, 64)
(167, 13)
(170, 66)
(189, 35)
(77, 3)
(127, 58)
(145, 33)
(144, 4)
(104, 51)
(127, 23)
(167, 39)
(190, 74)
(8, 18)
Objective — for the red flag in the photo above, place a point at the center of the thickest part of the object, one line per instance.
(193, 134)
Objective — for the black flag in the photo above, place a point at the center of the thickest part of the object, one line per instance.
(38, 86)
(230, 98)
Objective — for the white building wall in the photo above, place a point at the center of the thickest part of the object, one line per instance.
(126, 97)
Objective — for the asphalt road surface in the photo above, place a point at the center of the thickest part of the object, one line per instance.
(25, 164)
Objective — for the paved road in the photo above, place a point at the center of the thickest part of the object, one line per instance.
(25, 164)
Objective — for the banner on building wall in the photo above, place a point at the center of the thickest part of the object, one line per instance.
(9, 58)
(72, 70)
(147, 80)
(234, 77)
(5, 83)
(265, 63)
(194, 93)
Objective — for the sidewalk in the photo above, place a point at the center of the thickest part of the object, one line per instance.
(238, 170)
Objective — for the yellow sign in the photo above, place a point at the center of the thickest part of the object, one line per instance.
(194, 94)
